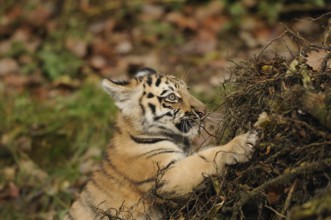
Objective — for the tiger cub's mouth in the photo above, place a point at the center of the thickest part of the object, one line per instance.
(186, 124)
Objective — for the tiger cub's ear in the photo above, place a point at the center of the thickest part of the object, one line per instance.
(144, 72)
(120, 91)
(112, 87)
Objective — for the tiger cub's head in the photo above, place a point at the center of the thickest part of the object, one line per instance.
(155, 103)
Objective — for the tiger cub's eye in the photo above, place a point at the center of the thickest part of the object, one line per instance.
(172, 98)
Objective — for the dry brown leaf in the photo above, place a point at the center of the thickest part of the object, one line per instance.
(66, 82)
(9, 173)
(214, 23)
(77, 46)
(8, 66)
(17, 81)
(124, 47)
(98, 62)
(5, 46)
(29, 168)
(315, 59)
(182, 21)
(101, 47)
(14, 191)
(273, 197)
(151, 12)
(213, 8)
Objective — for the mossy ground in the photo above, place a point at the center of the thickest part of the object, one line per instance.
(69, 131)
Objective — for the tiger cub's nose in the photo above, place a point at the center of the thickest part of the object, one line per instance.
(201, 113)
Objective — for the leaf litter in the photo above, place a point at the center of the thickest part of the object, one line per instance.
(289, 174)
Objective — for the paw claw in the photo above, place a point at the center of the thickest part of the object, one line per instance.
(243, 147)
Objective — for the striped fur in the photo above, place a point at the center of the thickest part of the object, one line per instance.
(147, 155)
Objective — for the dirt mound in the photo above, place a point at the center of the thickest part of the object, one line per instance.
(289, 175)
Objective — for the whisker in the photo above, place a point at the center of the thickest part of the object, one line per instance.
(213, 135)
(214, 112)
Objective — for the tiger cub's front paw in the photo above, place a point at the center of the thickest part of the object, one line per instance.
(241, 148)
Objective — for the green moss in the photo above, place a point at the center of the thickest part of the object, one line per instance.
(58, 131)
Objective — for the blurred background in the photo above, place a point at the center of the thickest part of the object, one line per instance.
(55, 121)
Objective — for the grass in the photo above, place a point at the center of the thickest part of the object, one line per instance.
(70, 132)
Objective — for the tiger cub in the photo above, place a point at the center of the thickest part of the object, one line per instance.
(147, 154)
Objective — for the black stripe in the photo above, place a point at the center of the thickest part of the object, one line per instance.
(166, 106)
(158, 81)
(105, 173)
(148, 180)
(176, 111)
(149, 81)
(164, 92)
(169, 164)
(135, 182)
(150, 95)
(156, 118)
(139, 140)
(141, 105)
(121, 82)
(152, 107)
(153, 151)
(114, 177)
(142, 108)
(202, 157)
(95, 184)
(87, 203)
(117, 129)
(187, 144)
(95, 209)
(164, 128)
(164, 152)
(183, 142)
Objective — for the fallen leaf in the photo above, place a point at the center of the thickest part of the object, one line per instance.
(268, 150)
(262, 121)
(66, 81)
(98, 62)
(124, 47)
(273, 197)
(101, 47)
(14, 80)
(151, 12)
(214, 23)
(5, 46)
(315, 59)
(14, 191)
(9, 173)
(29, 168)
(8, 66)
(21, 35)
(248, 38)
(77, 46)
(182, 21)
(213, 8)
(198, 46)
(24, 143)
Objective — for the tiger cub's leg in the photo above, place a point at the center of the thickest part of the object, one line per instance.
(188, 173)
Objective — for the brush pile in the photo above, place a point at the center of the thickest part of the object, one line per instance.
(289, 175)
